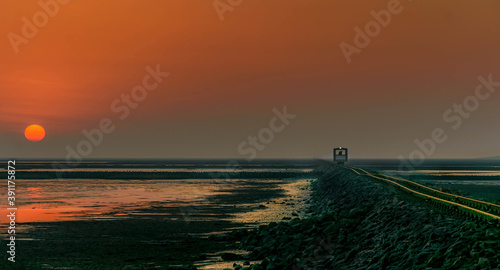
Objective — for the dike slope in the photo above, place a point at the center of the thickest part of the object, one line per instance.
(358, 223)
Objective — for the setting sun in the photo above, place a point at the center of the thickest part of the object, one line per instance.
(34, 133)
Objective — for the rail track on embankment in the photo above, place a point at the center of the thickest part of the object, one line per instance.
(445, 201)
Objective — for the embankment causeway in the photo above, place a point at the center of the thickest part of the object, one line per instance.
(358, 223)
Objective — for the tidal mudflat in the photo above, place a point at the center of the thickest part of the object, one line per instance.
(144, 223)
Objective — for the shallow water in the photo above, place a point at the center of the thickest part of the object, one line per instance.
(145, 222)
(445, 172)
(476, 178)
(59, 200)
(478, 184)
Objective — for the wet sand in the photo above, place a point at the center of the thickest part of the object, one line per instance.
(158, 234)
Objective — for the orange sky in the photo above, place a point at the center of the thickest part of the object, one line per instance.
(227, 76)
